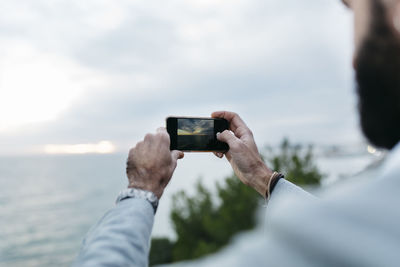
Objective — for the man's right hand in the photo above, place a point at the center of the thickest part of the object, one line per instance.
(151, 164)
(243, 154)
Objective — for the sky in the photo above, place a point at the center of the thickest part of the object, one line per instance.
(103, 73)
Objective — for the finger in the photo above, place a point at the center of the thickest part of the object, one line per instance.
(161, 130)
(148, 137)
(218, 154)
(164, 134)
(235, 121)
(227, 137)
(176, 154)
(244, 132)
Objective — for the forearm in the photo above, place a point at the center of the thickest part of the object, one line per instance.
(121, 237)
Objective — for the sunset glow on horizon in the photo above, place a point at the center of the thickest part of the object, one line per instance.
(103, 147)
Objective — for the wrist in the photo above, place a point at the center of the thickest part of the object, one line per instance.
(139, 194)
(158, 191)
(261, 179)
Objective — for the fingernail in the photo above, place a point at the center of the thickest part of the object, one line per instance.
(218, 134)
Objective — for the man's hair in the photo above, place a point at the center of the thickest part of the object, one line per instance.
(378, 80)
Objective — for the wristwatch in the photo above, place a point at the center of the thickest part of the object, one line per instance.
(139, 193)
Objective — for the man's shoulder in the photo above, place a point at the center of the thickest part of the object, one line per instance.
(353, 223)
(359, 228)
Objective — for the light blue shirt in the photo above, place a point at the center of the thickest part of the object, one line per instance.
(355, 225)
(121, 237)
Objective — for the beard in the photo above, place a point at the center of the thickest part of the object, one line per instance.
(378, 80)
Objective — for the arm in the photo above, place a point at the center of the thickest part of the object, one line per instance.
(285, 189)
(246, 161)
(122, 236)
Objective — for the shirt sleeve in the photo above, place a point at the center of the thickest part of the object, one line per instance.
(121, 237)
(285, 189)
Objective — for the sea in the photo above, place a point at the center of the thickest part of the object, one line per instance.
(48, 203)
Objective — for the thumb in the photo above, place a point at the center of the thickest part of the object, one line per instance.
(227, 137)
(176, 154)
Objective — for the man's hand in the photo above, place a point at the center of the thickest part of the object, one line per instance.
(151, 164)
(243, 153)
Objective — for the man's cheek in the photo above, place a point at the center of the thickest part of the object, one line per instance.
(362, 18)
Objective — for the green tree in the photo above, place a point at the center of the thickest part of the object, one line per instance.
(296, 162)
(161, 251)
(206, 222)
(203, 227)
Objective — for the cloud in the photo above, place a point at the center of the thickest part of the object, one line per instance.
(281, 64)
(37, 86)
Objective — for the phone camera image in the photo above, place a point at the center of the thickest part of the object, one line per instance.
(195, 134)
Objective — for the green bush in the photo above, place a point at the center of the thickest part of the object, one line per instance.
(161, 251)
(203, 227)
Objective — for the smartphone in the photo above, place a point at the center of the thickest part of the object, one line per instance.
(196, 134)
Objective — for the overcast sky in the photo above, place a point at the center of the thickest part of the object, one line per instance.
(76, 71)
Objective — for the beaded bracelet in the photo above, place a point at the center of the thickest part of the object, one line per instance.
(273, 180)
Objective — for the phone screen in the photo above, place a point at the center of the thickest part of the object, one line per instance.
(196, 134)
